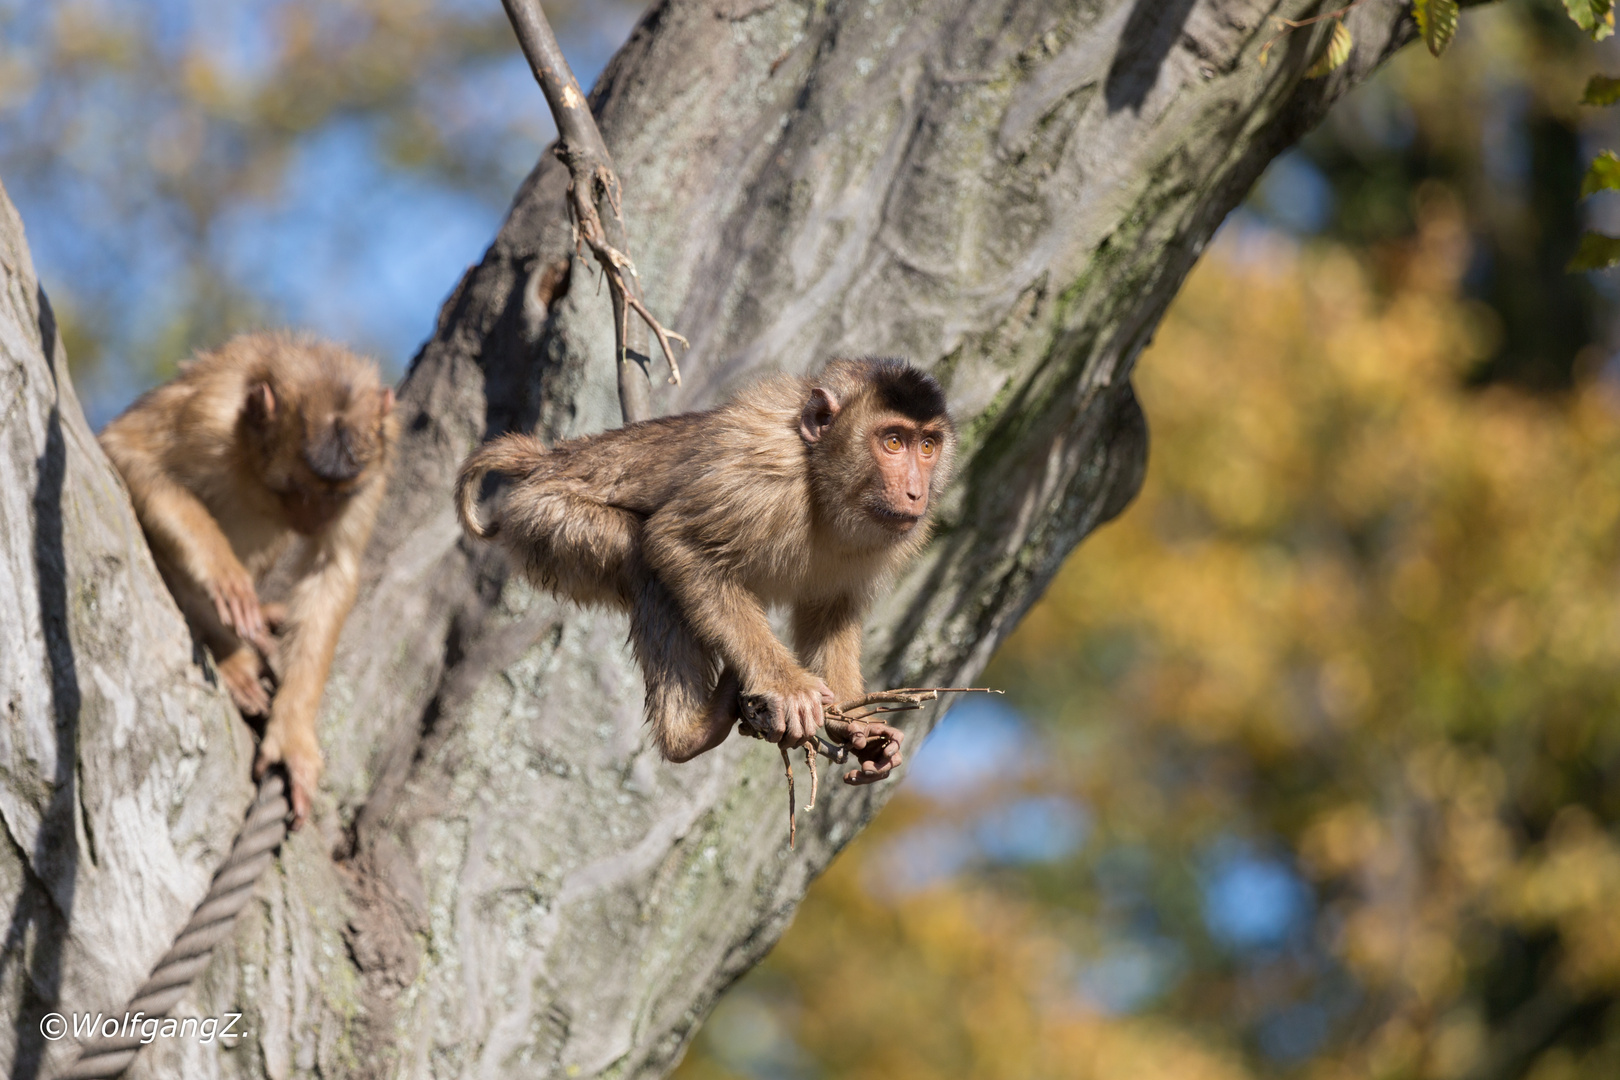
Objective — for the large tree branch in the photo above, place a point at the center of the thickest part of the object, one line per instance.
(502, 878)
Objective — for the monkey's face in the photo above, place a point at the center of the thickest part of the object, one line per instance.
(321, 447)
(906, 454)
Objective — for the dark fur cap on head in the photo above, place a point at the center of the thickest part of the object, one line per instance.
(899, 387)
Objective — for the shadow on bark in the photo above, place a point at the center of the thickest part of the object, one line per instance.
(45, 904)
(1150, 32)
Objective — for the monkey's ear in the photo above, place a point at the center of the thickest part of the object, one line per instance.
(261, 403)
(387, 405)
(818, 415)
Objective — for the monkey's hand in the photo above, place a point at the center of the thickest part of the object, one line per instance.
(875, 746)
(302, 759)
(790, 716)
(236, 602)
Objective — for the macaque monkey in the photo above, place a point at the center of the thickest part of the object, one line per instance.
(802, 492)
(267, 438)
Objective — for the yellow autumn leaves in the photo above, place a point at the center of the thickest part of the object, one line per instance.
(1362, 616)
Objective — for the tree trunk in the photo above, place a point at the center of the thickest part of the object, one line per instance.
(502, 877)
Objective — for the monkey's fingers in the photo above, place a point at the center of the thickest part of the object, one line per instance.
(224, 608)
(250, 624)
(805, 717)
(238, 606)
(865, 732)
(877, 747)
(303, 772)
(871, 772)
(300, 806)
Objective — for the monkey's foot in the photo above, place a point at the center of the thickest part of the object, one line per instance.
(240, 672)
(303, 767)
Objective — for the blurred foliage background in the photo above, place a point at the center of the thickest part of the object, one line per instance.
(1310, 763)
(190, 168)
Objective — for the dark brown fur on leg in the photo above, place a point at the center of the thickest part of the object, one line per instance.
(690, 710)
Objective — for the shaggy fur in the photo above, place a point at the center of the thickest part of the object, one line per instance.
(268, 438)
(696, 523)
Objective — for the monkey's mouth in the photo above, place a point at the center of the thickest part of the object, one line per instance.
(895, 519)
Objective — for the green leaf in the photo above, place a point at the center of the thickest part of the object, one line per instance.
(1604, 175)
(1602, 90)
(1337, 52)
(1596, 17)
(1596, 252)
(1437, 22)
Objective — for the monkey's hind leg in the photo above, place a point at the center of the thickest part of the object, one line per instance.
(690, 710)
(575, 545)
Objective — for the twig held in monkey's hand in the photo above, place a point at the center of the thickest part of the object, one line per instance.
(843, 723)
(594, 202)
(815, 783)
(793, 803)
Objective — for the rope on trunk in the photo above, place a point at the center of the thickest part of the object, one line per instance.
(253, 851)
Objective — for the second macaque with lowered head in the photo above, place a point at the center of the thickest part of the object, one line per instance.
(807, 493)
(269, 438)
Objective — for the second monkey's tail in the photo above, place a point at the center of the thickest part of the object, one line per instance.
(509, 455)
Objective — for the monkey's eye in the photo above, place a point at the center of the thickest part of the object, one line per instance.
(928, 448)
(893, 444)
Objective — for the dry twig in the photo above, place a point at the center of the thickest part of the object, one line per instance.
(793, 817)
(593, 200)
(815, 782)
(845, 726)
(1288, 26)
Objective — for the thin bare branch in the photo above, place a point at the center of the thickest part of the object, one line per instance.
(594, 200)
(793, 803)
(1287, 26)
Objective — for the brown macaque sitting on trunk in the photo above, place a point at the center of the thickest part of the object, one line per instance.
(269, 439)
(805, 492)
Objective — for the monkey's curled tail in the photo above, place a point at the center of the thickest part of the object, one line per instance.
(509, 455)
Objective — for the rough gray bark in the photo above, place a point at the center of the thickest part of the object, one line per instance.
(502, 877)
